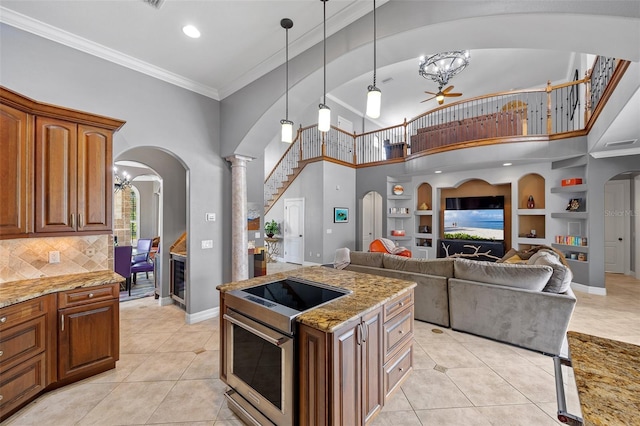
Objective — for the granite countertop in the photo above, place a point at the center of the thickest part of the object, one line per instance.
(18, 291)
(368, 292)
(607, 374)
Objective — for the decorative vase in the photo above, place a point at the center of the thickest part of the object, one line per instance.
(270, 235)
(530, 203)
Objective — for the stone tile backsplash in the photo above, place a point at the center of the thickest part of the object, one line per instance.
(27, 258)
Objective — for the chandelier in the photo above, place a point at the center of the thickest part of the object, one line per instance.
(120, 182)
(442, 66)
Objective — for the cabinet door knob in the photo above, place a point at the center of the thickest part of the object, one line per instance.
(400, 369)
(400, 332)
(90, 295)
(1, 397)
(401, 303)
(1, 353)
(3, 320)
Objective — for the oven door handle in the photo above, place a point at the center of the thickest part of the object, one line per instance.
(274, 341)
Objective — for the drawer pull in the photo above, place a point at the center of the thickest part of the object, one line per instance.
(1, 353)
(400, 331)
(90, 295)
(401, 369)
(3, 320)
(0, 397)
(401, 303)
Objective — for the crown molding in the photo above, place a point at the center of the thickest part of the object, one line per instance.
(66, 38)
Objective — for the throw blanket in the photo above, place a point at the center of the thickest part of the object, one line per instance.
(342, 258)
(391, 247)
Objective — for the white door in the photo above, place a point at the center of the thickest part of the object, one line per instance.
(614, 217)
(371, 218)
(294, 230)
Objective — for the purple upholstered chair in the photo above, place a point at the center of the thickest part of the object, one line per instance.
(122, 264)
(140, 261)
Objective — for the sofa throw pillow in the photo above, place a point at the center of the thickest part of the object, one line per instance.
(529, 277)
(366, 259)
(560, 280)
(437, 267)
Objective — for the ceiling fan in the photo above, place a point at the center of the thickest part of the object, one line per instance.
(441, 95)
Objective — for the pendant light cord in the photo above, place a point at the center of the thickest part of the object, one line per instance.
(374, 43)
(324, 37)
(286, 110)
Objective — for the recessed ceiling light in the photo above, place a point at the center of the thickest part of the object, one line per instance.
(191, 31)
(507, 164)
(438, 171)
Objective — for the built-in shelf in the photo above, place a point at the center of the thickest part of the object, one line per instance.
(531, 241)
(531, 212)
(576, 262)
(569, 189)
(424, 212)
(423, 235)
(398, 215)
(399, 197)
(395, 238)
(570, 215)
(569, 247)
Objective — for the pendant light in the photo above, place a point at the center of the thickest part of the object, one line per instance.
(324, 113)
(374, 95)
(287, 125)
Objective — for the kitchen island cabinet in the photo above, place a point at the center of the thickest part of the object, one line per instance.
(55, 331)
(352, 353)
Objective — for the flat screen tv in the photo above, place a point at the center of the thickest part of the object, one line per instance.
(477, 218)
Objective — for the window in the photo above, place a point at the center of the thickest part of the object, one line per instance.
(135, 213)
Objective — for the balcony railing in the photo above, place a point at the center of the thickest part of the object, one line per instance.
(552, 112)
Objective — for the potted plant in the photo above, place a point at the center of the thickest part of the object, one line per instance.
(271, 228)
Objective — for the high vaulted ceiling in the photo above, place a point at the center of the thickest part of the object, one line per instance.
(242, 41)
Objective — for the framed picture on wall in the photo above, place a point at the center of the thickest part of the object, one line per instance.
(340, 215)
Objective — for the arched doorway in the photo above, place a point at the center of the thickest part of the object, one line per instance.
(371, 218)
(168, 190)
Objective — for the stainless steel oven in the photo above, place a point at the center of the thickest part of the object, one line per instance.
(260, 349)
(260, 362)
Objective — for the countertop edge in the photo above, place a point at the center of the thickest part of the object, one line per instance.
(14, 292)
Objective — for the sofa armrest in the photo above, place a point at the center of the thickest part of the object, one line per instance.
(530, 319)
(431, 298)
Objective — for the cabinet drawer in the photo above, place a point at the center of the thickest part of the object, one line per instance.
(84, 295)
(398, 331)
(397, 369)
(21, 383)
(21, 342)
(394, 306)
(21, 312)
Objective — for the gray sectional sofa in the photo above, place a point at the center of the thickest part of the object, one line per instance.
(527, 305)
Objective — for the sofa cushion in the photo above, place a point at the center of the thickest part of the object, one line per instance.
(530, 277)
(436, 267)
(561, 278)
(366, 259)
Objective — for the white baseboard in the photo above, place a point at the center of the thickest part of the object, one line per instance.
(165, 301)
(202, 315)
(305, 263)
(600, 291)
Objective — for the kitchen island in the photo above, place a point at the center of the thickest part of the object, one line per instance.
(351, 353)
(607, 374)
(56, 331)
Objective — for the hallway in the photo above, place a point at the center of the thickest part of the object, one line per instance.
(168, 373)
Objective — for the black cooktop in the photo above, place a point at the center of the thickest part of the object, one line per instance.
(296, 294)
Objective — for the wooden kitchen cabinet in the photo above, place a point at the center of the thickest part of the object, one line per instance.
(56, 176)
(88, 331)
(26, 329)
(347, 376)
(74, 178)
(16, 169)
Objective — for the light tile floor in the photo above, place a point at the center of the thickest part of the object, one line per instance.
(168, 373)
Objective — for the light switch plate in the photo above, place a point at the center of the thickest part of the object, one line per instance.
(210, 217)
(207, 244)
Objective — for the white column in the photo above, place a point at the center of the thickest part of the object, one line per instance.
(239, 245)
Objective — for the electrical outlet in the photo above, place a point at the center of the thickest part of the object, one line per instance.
(207, 244)
(329, 231)
(317, 254)
(54, 257)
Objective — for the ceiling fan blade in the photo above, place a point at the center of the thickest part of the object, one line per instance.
(430, 93)
(428, 99)
(452, 95)
(445, 91)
